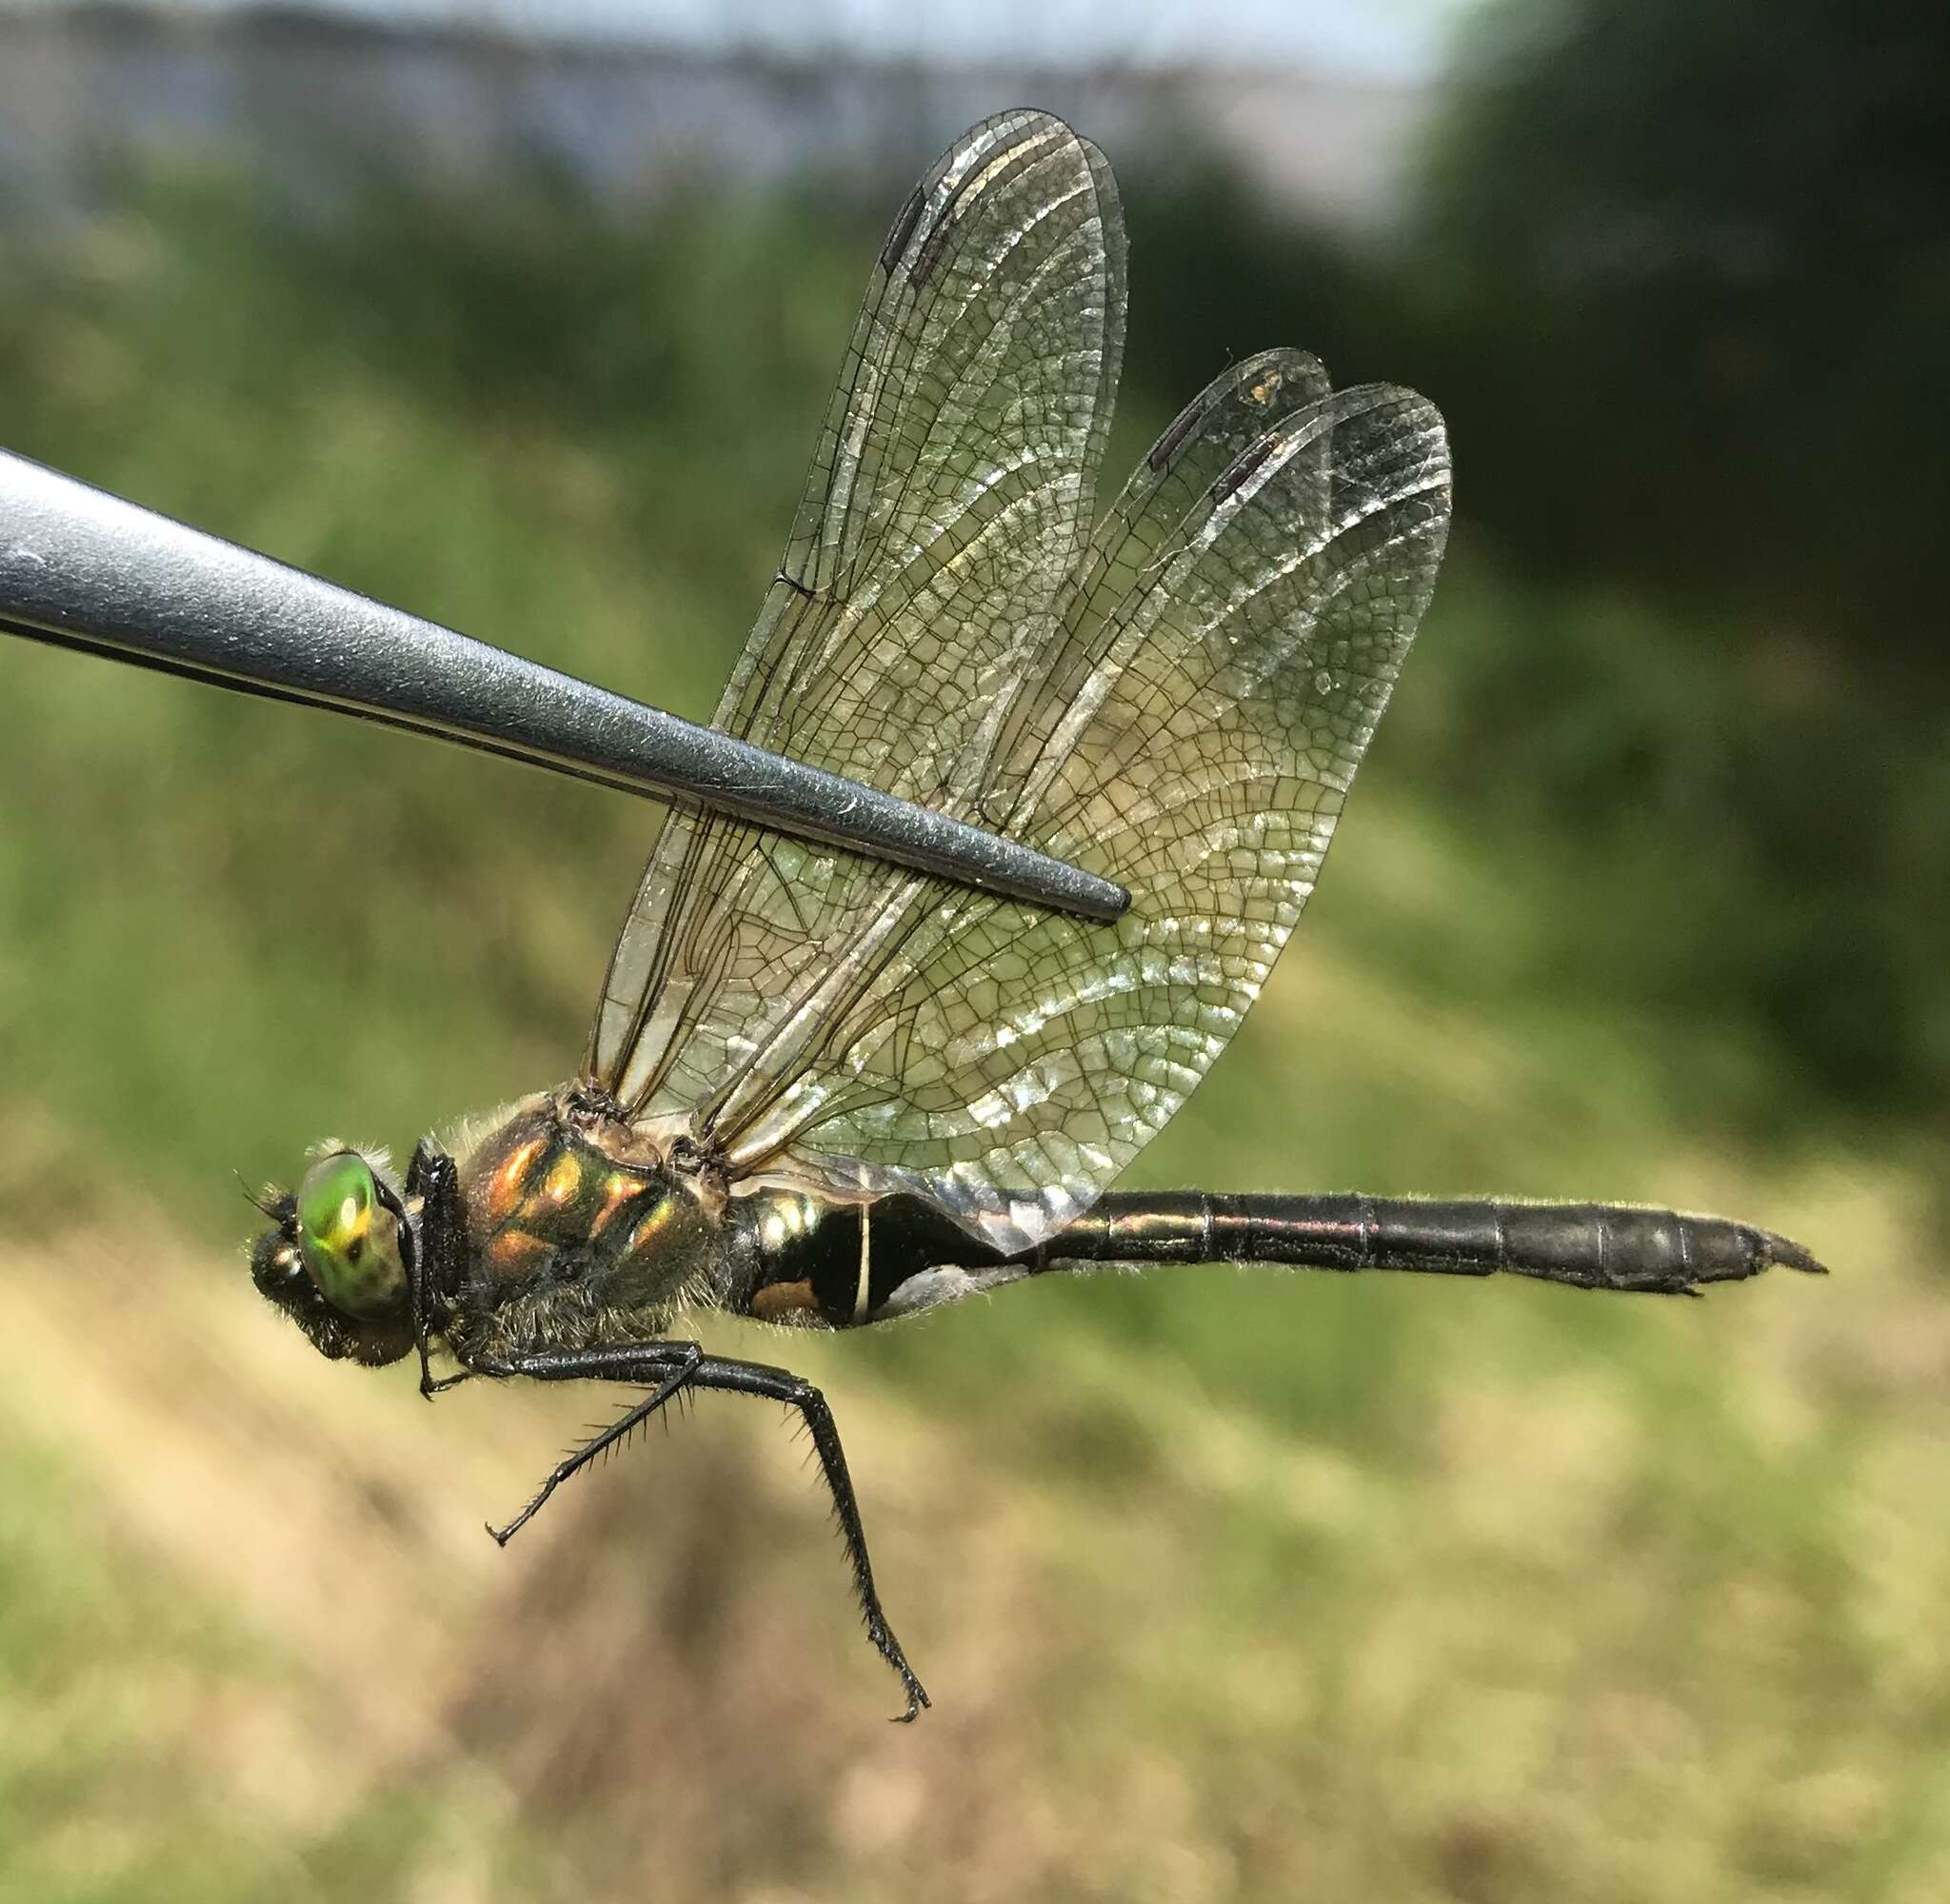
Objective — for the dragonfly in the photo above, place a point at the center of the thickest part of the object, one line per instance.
(825, 1092)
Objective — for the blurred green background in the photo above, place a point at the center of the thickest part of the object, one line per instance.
(1224, 1587)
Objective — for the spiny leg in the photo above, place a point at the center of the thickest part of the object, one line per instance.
(675, 1365)
(433, 1248)
(412, 1260)
(686, 1365)
(796, 1392)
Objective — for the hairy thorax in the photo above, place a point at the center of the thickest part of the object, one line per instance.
(582, 1230)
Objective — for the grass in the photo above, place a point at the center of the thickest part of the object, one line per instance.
(1226, 1586)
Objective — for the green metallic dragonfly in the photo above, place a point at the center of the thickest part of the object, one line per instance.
(823, 1091)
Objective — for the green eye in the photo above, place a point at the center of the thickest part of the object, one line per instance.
(349, 1239)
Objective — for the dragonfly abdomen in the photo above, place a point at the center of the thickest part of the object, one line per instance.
(1588, 1245)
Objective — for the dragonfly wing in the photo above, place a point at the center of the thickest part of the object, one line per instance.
(1235, 631)
(949, 497)
(1178, 701)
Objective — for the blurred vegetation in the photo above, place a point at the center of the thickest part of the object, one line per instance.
(1221, 1583)
(1680, 277)
(1718, 238)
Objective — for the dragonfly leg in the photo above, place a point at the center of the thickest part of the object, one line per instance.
(413, 1261)
(680, 1366)
(434, 1249)
(736, 1377)
(676, 1366)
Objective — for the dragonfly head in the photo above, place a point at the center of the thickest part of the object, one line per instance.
(335, 1262)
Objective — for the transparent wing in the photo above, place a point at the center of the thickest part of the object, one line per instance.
(1185, 715)
(1231, 644)
(950, 496)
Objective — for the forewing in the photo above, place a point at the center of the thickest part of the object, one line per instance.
(1232, 641)
(948, 500)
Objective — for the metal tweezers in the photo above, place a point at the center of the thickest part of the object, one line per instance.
(84, 569)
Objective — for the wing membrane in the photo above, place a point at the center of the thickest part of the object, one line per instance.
(950, 493)
(1179, 702)
(1219, 677)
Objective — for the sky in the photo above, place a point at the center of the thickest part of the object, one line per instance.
(1399, 40)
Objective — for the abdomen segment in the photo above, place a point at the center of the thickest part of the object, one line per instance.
(1587, 1245)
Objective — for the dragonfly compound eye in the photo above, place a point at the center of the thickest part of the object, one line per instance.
(349, 1239)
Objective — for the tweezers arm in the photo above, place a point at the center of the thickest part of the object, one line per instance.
(82, 568)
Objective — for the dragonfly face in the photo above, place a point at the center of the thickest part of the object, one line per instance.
(821, 1090)
(335, 1262)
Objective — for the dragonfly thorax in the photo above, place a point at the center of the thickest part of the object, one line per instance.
(580, 1225)
(563, 1224)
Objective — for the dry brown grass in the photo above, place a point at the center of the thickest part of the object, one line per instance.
(1545, 1659)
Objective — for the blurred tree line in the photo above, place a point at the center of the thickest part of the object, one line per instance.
(1679, 276)
(1706, 251)
(1682, 275)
